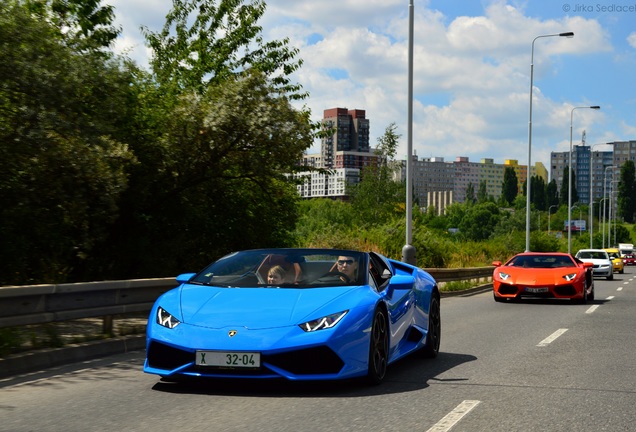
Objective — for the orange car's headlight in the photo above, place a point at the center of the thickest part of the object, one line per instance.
(569, 277)
(503, 276)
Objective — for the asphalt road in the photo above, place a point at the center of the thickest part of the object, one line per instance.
(531, 366)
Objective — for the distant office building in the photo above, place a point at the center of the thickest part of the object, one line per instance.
(433, 176)
(591, 168)
(430, 175)
(623, 151)
(330, 184)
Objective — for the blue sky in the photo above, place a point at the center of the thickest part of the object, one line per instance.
(471, 68)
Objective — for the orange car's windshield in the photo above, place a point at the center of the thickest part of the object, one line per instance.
(541, 261)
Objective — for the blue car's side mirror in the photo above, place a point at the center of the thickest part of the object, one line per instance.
(185, 277)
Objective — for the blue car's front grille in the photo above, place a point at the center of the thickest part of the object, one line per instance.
(162, 356)
(310, 361)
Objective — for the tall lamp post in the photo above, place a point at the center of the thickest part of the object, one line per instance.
(592, 220)
(605, 199)
(408, 251)
(566, 34)
(612, 213)
(594, 107)
(591, 195)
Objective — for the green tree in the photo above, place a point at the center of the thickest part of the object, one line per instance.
(482, 192)
(455, 213)
(627, 192)
(510, 187)
(213, 182)
(565, 185)
(217, 132)
(84, 25)
(538, 191)
(552, 195)
(207, 41)
(470, 193)
(479, 221)
(378, 195)
(64, 116)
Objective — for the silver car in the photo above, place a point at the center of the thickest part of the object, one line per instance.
(603, 266)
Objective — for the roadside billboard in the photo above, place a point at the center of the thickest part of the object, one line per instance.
(577, 225)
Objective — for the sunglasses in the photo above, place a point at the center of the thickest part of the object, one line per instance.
(348, 261)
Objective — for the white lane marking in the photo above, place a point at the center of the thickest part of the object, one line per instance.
(626, 283)
(547, 341)
(610, 298)
(453, 417)
(619, 289)
(591, 309)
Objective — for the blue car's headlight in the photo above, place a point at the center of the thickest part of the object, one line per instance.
(165, 319)
(323, 323)
(569, 277)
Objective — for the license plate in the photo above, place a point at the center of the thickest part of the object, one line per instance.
(228, 359)
(537, 290)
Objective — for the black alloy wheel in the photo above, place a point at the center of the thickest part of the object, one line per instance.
(378, 348)
(434, 334)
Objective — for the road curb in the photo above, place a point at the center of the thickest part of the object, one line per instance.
(35, 360)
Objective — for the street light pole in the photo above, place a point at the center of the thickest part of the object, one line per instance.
(595, 107)
(591, 195)
(612, 213)
(408, 251)
(605, 199)
(528, 201)
(604, 202)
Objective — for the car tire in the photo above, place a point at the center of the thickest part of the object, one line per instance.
(434, 334)
(590, 296)
(611, 277)
(498, 299)
(585, 296)
(622, 271)
(378, 348)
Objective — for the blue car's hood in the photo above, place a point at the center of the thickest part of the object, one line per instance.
(254, 308)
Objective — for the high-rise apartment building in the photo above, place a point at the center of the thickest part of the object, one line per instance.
(345, 152)
(348, 145)
(591, 168)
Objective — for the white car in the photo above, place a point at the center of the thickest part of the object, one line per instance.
(603, 266)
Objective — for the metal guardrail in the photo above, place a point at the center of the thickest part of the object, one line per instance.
(40, 304)
(469, 273)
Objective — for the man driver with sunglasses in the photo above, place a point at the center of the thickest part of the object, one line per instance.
(348, 266)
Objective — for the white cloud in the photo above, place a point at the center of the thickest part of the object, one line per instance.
(471, 73)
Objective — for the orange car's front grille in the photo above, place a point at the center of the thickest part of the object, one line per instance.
(508, 289)
(558, 291)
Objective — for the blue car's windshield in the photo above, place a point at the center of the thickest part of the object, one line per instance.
(294, 268)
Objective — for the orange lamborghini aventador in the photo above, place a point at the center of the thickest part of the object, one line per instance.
(545, 275)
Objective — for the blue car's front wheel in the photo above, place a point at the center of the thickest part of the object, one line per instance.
(379, 348)
(434, 333)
